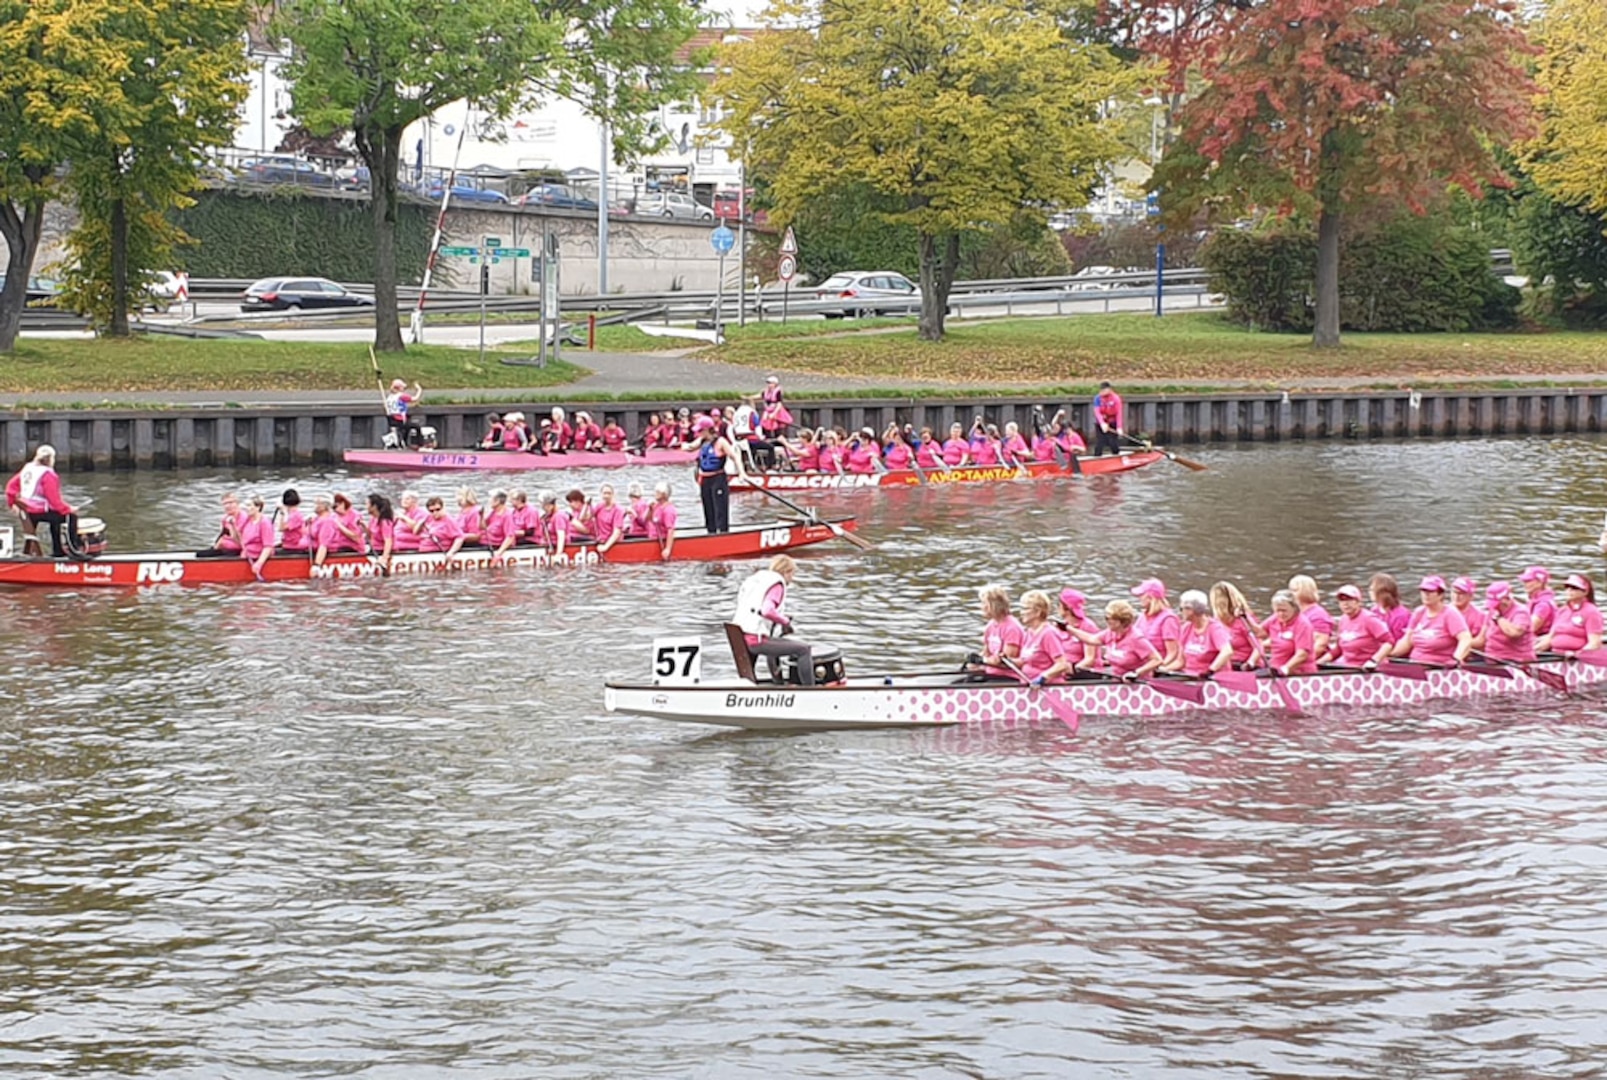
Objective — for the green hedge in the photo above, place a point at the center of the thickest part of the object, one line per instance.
(1408, 275)
(239, 235)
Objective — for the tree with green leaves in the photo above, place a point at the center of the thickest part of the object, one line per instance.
(374, 67)
(1569, 158)
(957, 115)
(138, 90)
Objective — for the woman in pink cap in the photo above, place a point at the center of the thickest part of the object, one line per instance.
(1078, 633)
(1463, 590)
(1002, 635)
(1322, 624)
(1043, 656)
(1233, 611)
(1438, 634)
(1509, 633)
(1386, 594)
(1127, 654)
(1205, 646)
(1158, 622)
(1541, 602)
(1577, 626)
(1289, 637)
(1361, 639)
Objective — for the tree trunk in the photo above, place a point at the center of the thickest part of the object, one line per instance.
(382, 152)
(938, 268)
(1326, 333)
(22, 232)
(119, 238)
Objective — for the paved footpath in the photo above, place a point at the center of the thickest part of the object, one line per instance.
(680, 371)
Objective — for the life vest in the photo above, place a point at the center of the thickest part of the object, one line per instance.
(710, 460)
(396, 406)
(750, 604)
(28, 496)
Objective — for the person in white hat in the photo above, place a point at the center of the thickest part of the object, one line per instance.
(35, 494)
(398, 406)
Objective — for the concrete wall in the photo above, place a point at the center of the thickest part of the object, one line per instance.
(228, 437)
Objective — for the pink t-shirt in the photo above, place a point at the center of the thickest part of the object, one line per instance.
(380, 531)
(862, 458)
(468, 521)
(998, 635)
(1129, 652)
(833, 458)
(1498, 646)
(1360, 636)
(1072, 645)
(225, 541)
(513, 438)
(353, 525)
(1434, 636)
(929, 454)
(294, 536)
(1246, 646)
(614, 438)
(1397, 618)
(1287, 638)
(606, 520)
(557, 527)
(662, 523)
(321, 531)
(526, 521)
(1160, 628)
(954, 451)
(809, 457)
(439, 533)
(1040, 649)
(898, 456)
(640, 520)
(1015, 449)
(408, 534)
(1043, 448)
(1571, 625)
(1200, 647)
(1543, 610)
(984, 452)
(498, 527)
(1319, 618)
(258, 537)
(1474, 618)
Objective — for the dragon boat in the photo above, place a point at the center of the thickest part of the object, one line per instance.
(509, 460)
(1077, 465)
(184, 567)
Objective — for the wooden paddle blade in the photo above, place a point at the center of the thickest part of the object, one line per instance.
(1242, 682)
(1403, 671)
(858, 541)
(1188, 464)
(1191, 692)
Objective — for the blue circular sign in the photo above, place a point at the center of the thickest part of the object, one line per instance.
(723, 239)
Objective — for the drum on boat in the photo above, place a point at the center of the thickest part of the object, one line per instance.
(91, 537)
(828, 661)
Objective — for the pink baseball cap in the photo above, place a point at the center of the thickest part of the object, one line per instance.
(1348, 592)
(1498, 591)
(1074, 600)
(1535, 573)
(1465, 584)
(1578, 581)
(1150, 587)
(702, 423)
(1432, 583)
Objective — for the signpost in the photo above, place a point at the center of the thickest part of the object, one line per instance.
(723, 240)
(1152, 206)
(787, 268)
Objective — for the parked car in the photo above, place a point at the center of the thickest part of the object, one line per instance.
(41, 291)
(160, 290)
(874, 292)
(464, 193)
(673, 204)
(1097, 273)
(556, 197)
(285, 170)
(300, 293)
(353, 178)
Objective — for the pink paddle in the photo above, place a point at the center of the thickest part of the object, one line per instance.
(1062, 709)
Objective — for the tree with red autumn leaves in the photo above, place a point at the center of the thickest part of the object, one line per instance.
(1324, 107)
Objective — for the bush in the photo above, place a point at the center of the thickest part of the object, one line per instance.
(1407, 274)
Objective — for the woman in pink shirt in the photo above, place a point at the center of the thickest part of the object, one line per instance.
(292, 523)
(1438, 635)
(806, 453)
(442, 534)
(1078, 633)
(524, 519)
(1066, 436)
(639, 514)
(231, 526)
(608, 520)
(1043, 656)
(381, 529)
(582, 517)
(1127, 654)
(1361, 639)
(929, 454)
(1158, 622)
(588, 436)
(469, 517)
(956, 451)
(1002, 635)
(321, 531)
(1540, 600)
(863, 453)
(557, 527)
(614, 438)
(1233, 611)
(1205, 646)
(661, 526)
(1463, 589)
(497, 531)
(348, 527)
(1013, 450)
(1322, 623)
(833, 455)
(1289, 637)
(256, 539)
(898, 454)
(1509, 633)
(984, 446)
(514, 434)
(1577, 625)
(408, 534)
(1386, 594)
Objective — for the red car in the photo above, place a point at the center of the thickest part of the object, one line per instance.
(726, 208)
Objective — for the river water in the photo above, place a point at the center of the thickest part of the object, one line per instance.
(384, 829)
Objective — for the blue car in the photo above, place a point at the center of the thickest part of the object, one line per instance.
(465, 193)
(557, 197)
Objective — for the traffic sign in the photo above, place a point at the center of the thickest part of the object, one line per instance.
(493, 241)
(789, 243)
(511, 253)
(787, 268)
(723, 239)
(460, 251)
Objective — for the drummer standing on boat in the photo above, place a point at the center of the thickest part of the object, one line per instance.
(1108, 419)
(761, 612)
(398, 404)
(35, 493)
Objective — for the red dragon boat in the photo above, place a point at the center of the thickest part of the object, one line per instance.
(510, 460)
(168, 568)
(1081, 465)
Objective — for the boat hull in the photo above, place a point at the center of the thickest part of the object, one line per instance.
(509, 460)
(1088, 465)
(172, 568)
(895, 701)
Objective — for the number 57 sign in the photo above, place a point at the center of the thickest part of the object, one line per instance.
(677, 661)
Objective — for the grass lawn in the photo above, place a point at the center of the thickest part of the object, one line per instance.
(627, 338)
(1188, 349)
(165, 363)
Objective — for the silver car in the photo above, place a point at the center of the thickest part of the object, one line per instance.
(672, 204)
(869, 292)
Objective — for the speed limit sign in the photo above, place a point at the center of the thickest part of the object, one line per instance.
(787, 268)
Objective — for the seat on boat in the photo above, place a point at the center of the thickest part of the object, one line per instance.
(739, 652)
